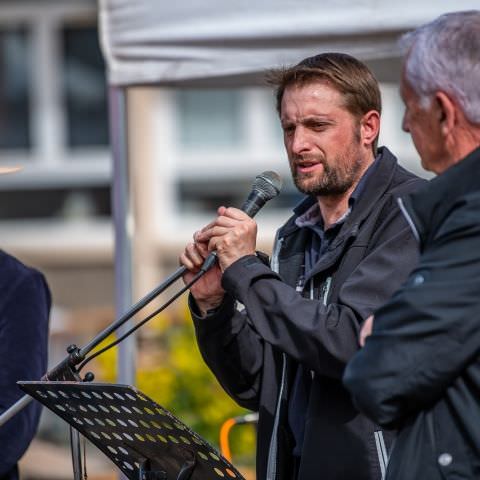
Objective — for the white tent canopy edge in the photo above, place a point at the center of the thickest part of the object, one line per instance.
(147, 41)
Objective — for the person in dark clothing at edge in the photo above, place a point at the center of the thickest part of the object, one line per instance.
(419, 371)
(278, 337)
(24, 312)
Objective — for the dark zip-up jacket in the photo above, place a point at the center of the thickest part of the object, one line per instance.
(420, 369)
(255, 352)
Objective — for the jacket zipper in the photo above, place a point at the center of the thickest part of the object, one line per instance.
(325, 290)
(381, 452)
(409, 219)
(277, 245)
(273, 448)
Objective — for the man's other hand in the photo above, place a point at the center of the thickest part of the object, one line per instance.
(366, 330)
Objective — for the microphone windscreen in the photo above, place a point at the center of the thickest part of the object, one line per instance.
(268, 184)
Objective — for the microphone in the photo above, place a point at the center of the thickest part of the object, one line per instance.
(266, 186)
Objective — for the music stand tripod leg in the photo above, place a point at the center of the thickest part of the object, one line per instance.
(76, 454)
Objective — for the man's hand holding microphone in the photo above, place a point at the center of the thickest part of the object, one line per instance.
(231, 236)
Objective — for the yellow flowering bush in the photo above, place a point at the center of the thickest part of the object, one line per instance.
(170, 370)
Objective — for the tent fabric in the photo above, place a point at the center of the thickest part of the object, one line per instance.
(153, 41)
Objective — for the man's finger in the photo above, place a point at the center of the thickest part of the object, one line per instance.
(235, 213)
(187, 262)
(216, 231)
(228, 222)
(202, 249)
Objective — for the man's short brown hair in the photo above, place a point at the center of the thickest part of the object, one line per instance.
(346, 74)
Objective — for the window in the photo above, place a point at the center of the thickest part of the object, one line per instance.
(14, 88)
(82, 202)
(84, 87)
(210, 118)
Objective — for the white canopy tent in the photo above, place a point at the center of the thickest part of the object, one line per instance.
(220, 43)
(147, 41)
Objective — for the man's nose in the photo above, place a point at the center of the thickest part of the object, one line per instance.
(301, 142)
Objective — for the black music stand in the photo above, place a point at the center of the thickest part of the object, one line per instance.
(142, 438)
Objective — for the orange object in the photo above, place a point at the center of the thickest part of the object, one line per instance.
(224, 434)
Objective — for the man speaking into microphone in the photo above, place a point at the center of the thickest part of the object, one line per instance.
(278, 335)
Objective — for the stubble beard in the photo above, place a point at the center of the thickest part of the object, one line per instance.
(334, 179)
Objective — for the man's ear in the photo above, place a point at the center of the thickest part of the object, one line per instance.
(446, 112)
(369, 127)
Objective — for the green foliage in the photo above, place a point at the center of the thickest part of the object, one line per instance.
(171, 371)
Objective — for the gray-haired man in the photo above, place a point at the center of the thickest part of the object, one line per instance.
(419, 370)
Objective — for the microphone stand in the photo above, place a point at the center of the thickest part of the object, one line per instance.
(266, 186)
(66, 369)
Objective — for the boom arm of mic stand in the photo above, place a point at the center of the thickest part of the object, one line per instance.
(15, 408)
(76, 355)
(133, 310)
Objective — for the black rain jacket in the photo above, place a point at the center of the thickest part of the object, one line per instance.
(254, 353)
(420, 369)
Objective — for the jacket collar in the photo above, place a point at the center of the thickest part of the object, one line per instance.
(374, 187)
(432, 203)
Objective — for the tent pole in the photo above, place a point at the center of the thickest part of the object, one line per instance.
(121, 210)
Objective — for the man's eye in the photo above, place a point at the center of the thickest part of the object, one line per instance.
(288, 129)
(318, 125)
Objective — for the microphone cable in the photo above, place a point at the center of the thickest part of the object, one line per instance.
(197, 276)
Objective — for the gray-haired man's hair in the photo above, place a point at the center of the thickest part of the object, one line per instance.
(445, 55)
